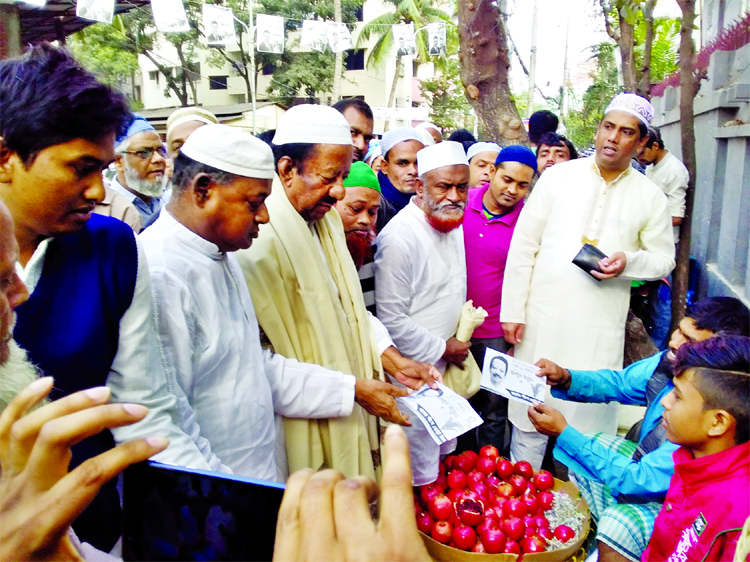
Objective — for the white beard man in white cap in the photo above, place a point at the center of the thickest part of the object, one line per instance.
(208, 331)
(556, 311)
(309, 300)
(420, 279)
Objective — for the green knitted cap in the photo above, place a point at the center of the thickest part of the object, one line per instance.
(361, 175)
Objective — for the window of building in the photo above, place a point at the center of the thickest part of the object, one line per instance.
(360, 13)
(268, 69)
(153, 75)
(218, 82)
(355, 59)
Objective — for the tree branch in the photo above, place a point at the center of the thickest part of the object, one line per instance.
(610, 30)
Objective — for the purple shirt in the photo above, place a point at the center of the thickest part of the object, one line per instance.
(487, 243)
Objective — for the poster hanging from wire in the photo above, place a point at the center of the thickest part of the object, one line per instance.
(339, 38)
(403, 37)
(436, 38)
(96, 10)
(218, 25)
(270, 35)
(170, 16)
(314, 35)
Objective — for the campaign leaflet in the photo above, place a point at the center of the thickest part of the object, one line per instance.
(512, 378)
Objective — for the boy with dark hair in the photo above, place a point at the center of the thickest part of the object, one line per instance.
(624, 482)
(706, 413)
(553, 149)
(541, 122)
(88, 321)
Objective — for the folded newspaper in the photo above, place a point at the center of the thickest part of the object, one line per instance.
(445, 414)
(512, 378)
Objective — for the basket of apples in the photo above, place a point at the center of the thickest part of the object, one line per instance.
(483, 507)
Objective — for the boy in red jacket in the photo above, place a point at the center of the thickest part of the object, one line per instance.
(708, 413)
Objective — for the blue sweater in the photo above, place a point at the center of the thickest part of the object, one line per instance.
(646, 479)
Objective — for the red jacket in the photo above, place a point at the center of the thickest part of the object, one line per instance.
(706, 505)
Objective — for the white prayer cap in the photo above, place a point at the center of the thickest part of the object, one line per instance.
(478, 147)
(231, 150)
(633, 104)
(428, 125)
(402, 134)
(427, 139)
(187, 114)
(446, 153)
(312, 124)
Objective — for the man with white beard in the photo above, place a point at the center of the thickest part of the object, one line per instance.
(141, 163)
(420, 278)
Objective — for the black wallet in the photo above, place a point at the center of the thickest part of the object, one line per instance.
(588, 259)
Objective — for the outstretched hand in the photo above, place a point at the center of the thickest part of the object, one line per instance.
(556, 375)
(411, 374)
(547, 420)
(39, 498)
(323, 516)
(378, 399)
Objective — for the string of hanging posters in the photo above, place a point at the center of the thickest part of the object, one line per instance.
(219, 28)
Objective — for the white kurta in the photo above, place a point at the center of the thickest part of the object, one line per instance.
(228, 387)
(672, 176)
(420, 284)
(571, 318)
(420, 289)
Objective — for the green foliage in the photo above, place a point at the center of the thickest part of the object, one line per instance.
(664, 48)
(445, 95)
(103, 50)
(581, 124)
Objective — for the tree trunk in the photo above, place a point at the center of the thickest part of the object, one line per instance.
(688, 88)
(186, 80)
(484, 71)
(644, 85)
(626, 43)
(338, 66)
(392, 96)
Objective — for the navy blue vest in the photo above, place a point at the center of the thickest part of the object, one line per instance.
(70, 325)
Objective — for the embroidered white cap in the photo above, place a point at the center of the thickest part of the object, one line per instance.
(402, 134)
(446, 153)
(231, 150)
(188, 114)
(313, 124)
(634, 104)
(478, 147)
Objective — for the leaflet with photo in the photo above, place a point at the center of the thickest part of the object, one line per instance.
(445, 414)
(511, 378)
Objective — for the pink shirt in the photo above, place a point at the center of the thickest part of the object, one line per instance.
(487, 242)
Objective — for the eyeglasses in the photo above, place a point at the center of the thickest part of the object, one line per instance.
(147, 153)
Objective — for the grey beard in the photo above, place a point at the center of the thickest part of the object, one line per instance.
(145, 187)
(16, 374)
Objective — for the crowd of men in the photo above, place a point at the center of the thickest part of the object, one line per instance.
(261, 303)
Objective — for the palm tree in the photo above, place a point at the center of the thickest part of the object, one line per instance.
(417, 12)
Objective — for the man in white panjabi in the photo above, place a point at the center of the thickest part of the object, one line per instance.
(420, 279)
(227, 387)
(554, 310)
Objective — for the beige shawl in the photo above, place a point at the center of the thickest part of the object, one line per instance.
(307, 318)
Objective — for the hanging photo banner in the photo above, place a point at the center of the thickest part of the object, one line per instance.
(96, 10)
(403, 37)
(270, 35)
(218, 25)
(436, 38)
(339, 38)
(39, 3)
(314, 35)
(170, 16)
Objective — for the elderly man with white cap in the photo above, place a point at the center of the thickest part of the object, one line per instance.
(308, 298)
(553, 309)
(182, 123)
(228, 388)
(481, 157)
(420, 277)
(398, 171)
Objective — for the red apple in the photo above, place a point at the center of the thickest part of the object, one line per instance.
(523, 468)
(545, 533)
(532, 544)
(529, 532)
(513, 528)
(427, 494)
(532, 504)
(541, 522)
(563, 533)
(546, 499)
(464, 537)
(454, 494)
(489, 452)
(494, 513)
(505, 490)
(530, 522)
(457, 480)
(486, 465)
(493, 481)
(475, 476)
(519, 484)
(466, 461)
(441, 532)
(487, 524)
(480, 488)
(425, 523)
